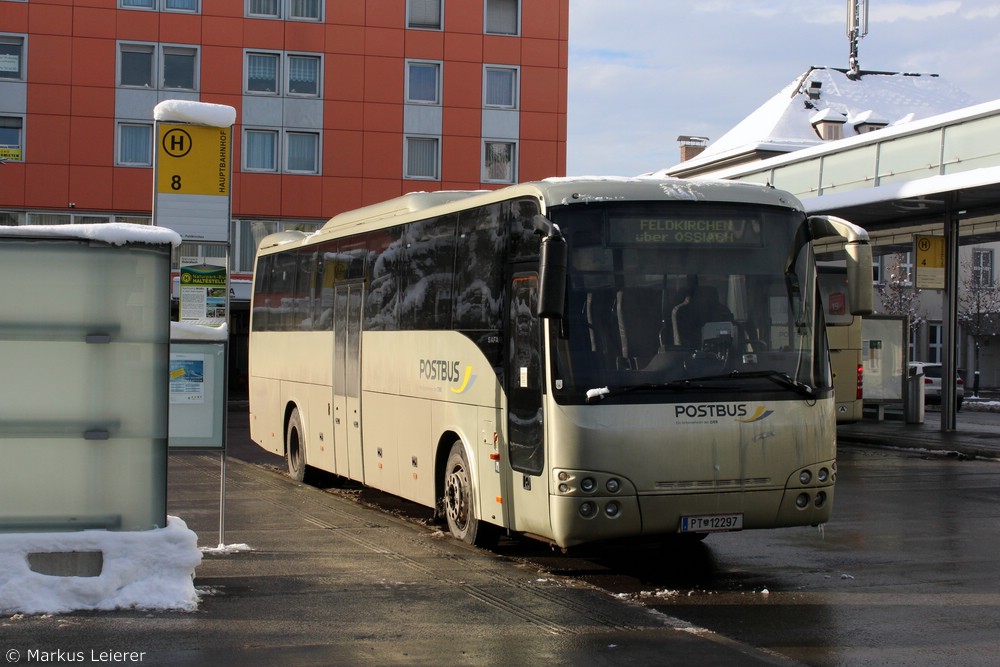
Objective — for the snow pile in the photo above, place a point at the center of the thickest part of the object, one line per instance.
(150, 569)
(202, 113)
(112, 233)
(180, 331)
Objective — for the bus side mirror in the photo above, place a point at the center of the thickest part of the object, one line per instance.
(859, 278)
(552, 277)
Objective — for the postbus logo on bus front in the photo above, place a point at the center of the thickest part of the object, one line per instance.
(740, 412)
(448, 372)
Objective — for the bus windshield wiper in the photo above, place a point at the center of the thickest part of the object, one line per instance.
(778, 377)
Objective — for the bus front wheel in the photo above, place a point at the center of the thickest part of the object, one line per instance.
(458, 502)
(295, 447)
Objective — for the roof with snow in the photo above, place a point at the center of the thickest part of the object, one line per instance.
(785, 123)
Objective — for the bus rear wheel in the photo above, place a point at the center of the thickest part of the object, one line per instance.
(295, 447)
(458, 502)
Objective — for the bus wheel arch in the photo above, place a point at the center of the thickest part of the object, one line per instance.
(295, 444)
(457, 502)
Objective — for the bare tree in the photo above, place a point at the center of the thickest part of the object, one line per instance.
(978, 310)
(897, 293)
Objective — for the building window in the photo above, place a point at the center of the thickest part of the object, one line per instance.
(176, 66)
(135, 144)
(302, 152)
(162, 5)
(11, 58)
(421, 158)
(500, 87)
(982, 268)
(12, 138)
(260, 150)
(262, 73)
(423, 14)
(503, 17)
(136, 65)
(423, 82)
(934, 344)
(265, 71)
(499, 161)
(296, 10)
(304, 10)
(303, 75)
(179, 67)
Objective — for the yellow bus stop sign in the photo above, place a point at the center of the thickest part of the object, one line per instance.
(193, 160)
(930, 262)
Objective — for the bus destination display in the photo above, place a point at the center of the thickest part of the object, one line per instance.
(634, 231)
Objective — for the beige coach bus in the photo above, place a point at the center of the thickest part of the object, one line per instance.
(572, 359)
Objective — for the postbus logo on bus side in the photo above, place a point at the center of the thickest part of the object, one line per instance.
(451, 373)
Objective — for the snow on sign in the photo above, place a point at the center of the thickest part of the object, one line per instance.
(192, 171)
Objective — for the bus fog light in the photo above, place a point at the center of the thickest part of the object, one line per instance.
(805, 477)
(802, 500)
(588, 510)
(563, 476)
(613, 485)
(564, 488)
(588, 484)
(820, 499)
(612, 509)
(823, 475)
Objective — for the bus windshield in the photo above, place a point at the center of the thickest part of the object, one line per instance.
(682, 297)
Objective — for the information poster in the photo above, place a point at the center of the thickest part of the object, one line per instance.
(203, 292)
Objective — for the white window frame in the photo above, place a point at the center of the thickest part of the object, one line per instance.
(438, 68)
(20, 138)
(179, 49)
(486, 19)
(424, 26)
(138, 47)
(282, 72)
(22, 58)
(982, 268)
(406, 158)
(485, 175)
(275, 152)
(278, 71)
(318, 157)
(160, 6)
(515, 91)
(283, 11)
(118, 143)
(158, 53)
(287, 60)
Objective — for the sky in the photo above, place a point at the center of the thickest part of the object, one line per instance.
(643, 72)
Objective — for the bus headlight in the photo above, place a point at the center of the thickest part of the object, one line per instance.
(612, 509)
(587, 484)
(823, 474)
(805, 477)
(588, 510)
(802, 500)
(613, 485)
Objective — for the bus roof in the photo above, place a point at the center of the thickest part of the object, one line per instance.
(551, 192)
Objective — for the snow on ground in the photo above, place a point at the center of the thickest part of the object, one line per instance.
(150, 569)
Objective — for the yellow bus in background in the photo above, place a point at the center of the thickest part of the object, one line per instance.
(843, 330)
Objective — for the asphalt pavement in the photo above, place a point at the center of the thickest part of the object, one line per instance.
(314, 578)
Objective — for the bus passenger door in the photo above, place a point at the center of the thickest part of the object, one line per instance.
(347, 379)
(529, 494)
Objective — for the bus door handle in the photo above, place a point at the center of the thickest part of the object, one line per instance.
(336, 420)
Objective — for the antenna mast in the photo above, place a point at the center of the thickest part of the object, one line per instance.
(857, 27)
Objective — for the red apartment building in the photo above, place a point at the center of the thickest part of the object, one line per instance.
(340, 104)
